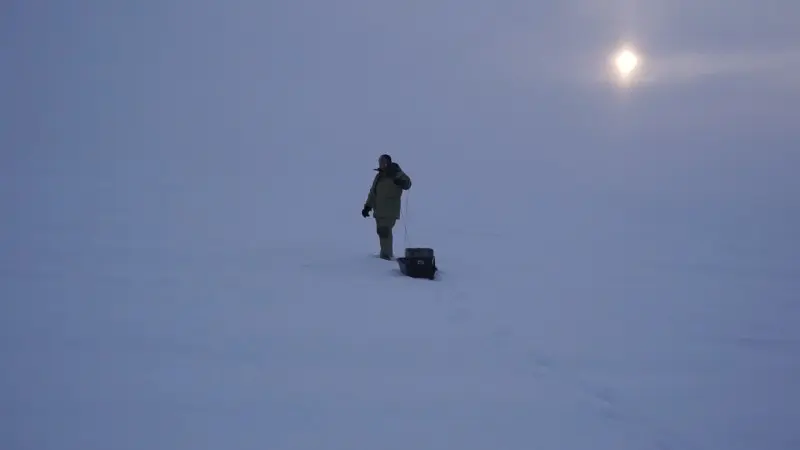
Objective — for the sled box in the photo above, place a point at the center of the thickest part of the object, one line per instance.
(418, 263)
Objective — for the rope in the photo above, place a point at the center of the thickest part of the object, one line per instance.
(404, 216)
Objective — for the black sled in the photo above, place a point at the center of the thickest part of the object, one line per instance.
(418, 263)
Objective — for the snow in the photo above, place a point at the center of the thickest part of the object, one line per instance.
(183, 264)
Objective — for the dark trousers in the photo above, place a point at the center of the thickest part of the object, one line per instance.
(384, 226)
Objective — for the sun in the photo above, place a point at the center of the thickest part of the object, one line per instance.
(625, 62)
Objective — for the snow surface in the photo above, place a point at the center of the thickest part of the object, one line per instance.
(183, 264)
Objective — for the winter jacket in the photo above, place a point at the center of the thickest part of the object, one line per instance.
(387, 190)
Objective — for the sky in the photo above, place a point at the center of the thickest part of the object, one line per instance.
(150, 101)
(522, 81)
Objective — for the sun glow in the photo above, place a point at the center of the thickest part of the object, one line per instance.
(625, 63)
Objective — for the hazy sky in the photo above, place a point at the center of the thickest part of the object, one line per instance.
(249, 90)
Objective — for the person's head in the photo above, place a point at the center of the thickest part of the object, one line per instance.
(384, 161)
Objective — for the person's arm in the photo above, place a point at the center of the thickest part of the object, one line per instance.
(402, 180)
(370, 203)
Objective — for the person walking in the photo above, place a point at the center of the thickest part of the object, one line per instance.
(384, 201)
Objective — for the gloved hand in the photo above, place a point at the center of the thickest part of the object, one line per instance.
(365, 211)
(399, 182)
(391, 170)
